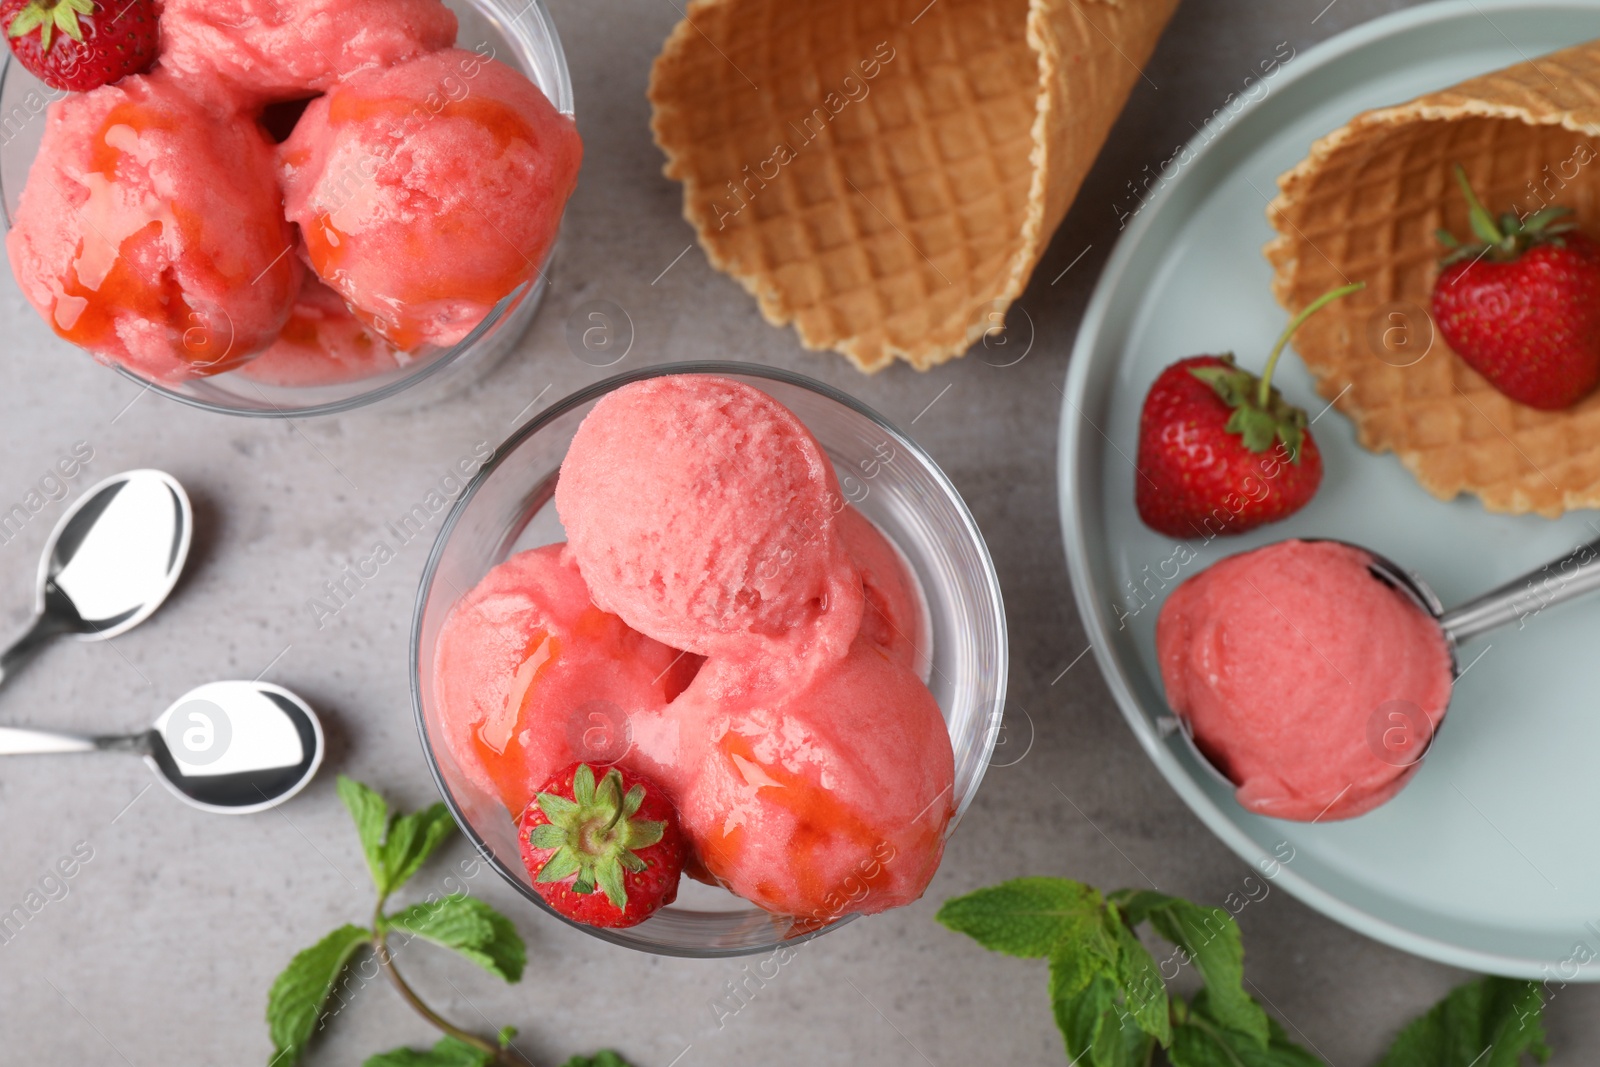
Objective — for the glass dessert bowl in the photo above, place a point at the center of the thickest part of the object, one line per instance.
(509, 507)
(521, 36)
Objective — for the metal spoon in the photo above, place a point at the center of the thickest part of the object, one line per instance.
(1404, 736)
(226, 747)
(109, 563)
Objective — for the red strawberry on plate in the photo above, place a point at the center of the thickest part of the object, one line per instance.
(606, 854)
(1521, 304)
(80, 45)
(1220, 450)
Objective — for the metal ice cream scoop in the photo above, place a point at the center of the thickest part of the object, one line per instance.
(1406, 739)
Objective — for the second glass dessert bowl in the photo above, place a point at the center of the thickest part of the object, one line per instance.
(509, 507)
(520, 35)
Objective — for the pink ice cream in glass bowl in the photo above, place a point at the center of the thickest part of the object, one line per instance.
(819, 666)
(338, 132)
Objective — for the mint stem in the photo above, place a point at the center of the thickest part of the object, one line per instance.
(380, 947)
(1264, 395)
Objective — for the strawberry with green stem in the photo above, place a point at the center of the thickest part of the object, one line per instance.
(1521, 304)
(606, 854)
(1220, 450)
(79, 45)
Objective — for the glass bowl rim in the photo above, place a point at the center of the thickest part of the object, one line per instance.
(580, 397)
(563, 102)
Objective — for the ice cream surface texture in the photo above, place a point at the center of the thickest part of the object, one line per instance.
(531, 676)
(892, 621)
(261, 51)
(702, 511)
(822, 798)
(322, 343)
(1282, 658)
(150, 231)
(429, 190)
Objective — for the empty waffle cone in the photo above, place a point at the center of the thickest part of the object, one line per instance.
(885, 174)
(1364, 205)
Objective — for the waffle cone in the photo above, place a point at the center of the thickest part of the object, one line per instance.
(1364, 206)
(885, 174)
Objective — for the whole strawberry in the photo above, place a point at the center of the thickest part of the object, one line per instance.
(80, 45)
(607, 854)
(1220, 450)
(1521, 304)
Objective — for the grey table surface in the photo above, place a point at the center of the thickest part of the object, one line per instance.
(163, 947)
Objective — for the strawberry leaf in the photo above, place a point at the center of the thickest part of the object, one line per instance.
(66, 20)
(28, 19)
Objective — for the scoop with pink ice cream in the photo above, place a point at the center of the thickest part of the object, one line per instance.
(1282, 659)
(531, 677)
(150, 232)
(429, 190)
(253, 52)
(704, 513)
(822, 798)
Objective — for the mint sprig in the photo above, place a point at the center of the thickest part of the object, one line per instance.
(1492, 1022)
(1113, 1007)
(396, 846)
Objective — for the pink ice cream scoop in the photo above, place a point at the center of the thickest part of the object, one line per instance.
(254, 52)
(704, 513)
(822, 799)
(531, 677)
(893, 621)
(429, 190)
(1290, 662)
(322, 343)
(150, 231)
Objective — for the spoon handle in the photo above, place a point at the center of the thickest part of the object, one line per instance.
(1520, 599)
(44, 629)
(17, 741)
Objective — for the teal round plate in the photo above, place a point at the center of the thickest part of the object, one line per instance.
(1490, 858)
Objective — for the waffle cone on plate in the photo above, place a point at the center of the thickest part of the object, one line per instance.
(885, 174)
(1364, 205)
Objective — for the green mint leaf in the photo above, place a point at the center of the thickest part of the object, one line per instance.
(301, 992)
(1200, 1040)
(449, 1052)
(1490, 1022)
(1210, 939)
(603, 1058)
(1026, 917)
(505, 1035)
(371, 814)
(1143, 991)
(1096, 1030)
(470, 927)
(412, 839)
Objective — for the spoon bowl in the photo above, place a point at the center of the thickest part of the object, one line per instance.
(231, 748)
(110, 562)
